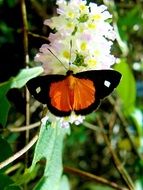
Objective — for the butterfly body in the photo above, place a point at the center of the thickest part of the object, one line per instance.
(80, 92)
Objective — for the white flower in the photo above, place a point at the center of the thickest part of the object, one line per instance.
(99, 13)
(63, 121)
(91, 36)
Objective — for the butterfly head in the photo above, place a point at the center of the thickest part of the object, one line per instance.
(69, 72)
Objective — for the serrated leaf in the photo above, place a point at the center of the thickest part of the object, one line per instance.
(127, 87)
(49, 146)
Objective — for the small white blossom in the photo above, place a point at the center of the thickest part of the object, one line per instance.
(63, 121)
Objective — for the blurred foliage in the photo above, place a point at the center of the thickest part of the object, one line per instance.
(84, 148)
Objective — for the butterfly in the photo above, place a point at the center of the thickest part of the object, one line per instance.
(80, 93)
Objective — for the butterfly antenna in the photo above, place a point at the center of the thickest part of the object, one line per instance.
(57, 59)
(70, 52)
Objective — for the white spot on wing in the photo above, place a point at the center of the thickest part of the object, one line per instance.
(38, 90)
(107, 83)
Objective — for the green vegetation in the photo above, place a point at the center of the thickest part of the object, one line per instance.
(106, 150)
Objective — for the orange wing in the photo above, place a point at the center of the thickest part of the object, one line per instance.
(84, 94)
(72, 94)
(59, 95)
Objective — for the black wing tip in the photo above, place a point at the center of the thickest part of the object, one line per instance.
(30, 85)
(117, 78)
(93, 107)
(33, 85)
(57, 112)
(119, 75)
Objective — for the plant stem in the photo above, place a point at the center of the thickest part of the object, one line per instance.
(19, 153)
(125, 176)
(93, 177)
(38, 36)
(24, 128)
(26, 62)
(125, 125)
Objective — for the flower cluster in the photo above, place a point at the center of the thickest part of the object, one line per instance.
(83, 37)
(81, 41)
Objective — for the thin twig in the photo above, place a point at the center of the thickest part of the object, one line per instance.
(93, 127)
(125, 176)
(26, 61)
(25, 32)
(93, 177)
(24, 128)
(38, 36)
(13, 168)
(125, 124)
(40, 10)
(19, 153)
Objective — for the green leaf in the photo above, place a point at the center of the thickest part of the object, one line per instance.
(121, 41)
(127, 87)
(139, 184)
(16, 82)
(4, 104)
(11, 3)
(7, 35)
(27, 176)
(4, 181)
(12, 187)
(26, 74)
(126, 22)
(1, 2)
(5, 151)
(132, 17)
(64, 183)
(49, 146)
(137, 117)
